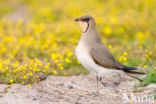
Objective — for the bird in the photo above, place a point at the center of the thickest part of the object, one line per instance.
(92, 53)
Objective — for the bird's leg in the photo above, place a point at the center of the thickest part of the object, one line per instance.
(96, 93)
(97, 82)
(97, 85)
(100, 78)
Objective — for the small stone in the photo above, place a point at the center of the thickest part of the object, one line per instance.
(70, 87)
(34, 98)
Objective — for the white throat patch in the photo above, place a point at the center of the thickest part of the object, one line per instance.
(84, 26)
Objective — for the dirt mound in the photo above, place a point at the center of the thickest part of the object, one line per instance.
(71, 90)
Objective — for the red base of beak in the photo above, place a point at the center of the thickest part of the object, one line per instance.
(78, 19)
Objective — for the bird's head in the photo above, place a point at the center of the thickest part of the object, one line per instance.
(86, 22)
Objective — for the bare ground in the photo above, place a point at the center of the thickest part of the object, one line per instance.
(72, 90)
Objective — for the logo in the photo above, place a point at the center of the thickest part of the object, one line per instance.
(137, 98)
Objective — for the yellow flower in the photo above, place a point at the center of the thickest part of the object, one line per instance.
(107, 30)
(23, 82)
(30, 73)
(155, 67)
(59, 65)
(1, 65)
(56, 61)
(14, 65)
(38, 62)
(49, 63)
(38, 70)
(125, 53)
(145, 66)
(67, 60)
(110, 46)
(147, 56)
(34, 66)
(150, 53)
(37, 76)
(140, 36)
(124, 59)
(9, 86)
(29, 85)
(11, 80)
(69, 54)
(120, 59)
(54, 72)
(34, 70)
(61, 68)
(55, 55)
(25, 77)
(14, 71)
(46, 67)
(6, 68)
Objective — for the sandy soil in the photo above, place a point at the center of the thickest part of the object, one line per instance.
(72, 90)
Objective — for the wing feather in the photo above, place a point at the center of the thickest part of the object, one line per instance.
(103, 57)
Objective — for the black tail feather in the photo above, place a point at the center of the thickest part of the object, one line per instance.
(131, 70)
(135, 72)
(126, 68)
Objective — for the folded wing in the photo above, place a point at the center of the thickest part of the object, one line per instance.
(103, 57)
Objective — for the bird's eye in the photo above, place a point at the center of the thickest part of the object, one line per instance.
(87, 19)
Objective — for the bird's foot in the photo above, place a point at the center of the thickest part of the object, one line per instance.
(94, 94)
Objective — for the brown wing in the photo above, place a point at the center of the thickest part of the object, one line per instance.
(103, 57)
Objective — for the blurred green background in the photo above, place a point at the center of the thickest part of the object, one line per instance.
(40, 36)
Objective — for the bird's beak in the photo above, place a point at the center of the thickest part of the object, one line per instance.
(78, 20)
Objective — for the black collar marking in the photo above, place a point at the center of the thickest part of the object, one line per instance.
(87, 27)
